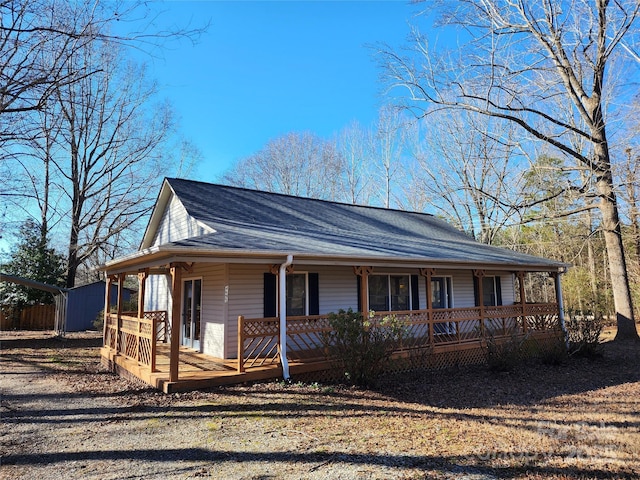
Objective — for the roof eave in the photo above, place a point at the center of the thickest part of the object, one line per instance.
(170, 253)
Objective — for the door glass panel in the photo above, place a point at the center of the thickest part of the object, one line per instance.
(379, 293)
(186, 313)
(197, 300)
(440, 291)
(191, 302)
(399, 286)
(488, 291)
(437, 293)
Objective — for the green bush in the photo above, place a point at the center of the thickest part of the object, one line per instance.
(362, 348)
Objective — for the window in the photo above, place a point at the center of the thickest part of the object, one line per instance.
(302, 294)
(491, 291)
(297, 294)
(390, 293)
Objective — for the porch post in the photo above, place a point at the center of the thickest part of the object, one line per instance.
(121, 278)
(363, 273)
(142, 285)
(107, 307)
(479, 274)
(427, 273)
(240, 344)
(176, 298)
(559, 300)
(523, 301)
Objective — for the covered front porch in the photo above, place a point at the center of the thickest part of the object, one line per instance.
(145, 344)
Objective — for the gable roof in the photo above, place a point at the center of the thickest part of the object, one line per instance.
(252, 223)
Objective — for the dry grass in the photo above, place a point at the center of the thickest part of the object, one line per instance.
(576, 420)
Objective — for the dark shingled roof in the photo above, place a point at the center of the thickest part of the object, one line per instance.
(250, 220)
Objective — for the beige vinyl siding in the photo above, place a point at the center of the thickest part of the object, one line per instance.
(212, 328)
(176, 224)
(337, 287)
(462, 286)
(246, 291)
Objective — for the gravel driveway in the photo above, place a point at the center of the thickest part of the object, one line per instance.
(64, 417)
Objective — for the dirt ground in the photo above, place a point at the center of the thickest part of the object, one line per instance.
(62, 416)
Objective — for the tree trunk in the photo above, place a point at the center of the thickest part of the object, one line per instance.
(72, 259)
(615, 254)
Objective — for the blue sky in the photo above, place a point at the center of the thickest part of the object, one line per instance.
(267, 68)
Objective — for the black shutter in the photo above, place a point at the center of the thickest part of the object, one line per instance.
(415, 293)
(359, 290)
(498, 291)
(270, 293)
(314, 294)
(476, 290)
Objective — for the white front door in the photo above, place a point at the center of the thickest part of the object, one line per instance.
(191, 302)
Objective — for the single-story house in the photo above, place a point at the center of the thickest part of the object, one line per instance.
(236, 284)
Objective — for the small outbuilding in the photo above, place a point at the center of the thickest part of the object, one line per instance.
(86, 302)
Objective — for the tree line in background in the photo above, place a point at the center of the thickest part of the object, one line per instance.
(84, 135)
(526, 135)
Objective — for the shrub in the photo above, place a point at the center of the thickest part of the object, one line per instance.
(583, 333)
(362, 348)
(504, 355)
(553, 351)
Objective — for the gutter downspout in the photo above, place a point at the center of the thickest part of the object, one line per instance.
(282, 277)
(563, 326)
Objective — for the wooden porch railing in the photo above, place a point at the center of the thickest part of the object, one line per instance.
(138, 338)
(258, 338)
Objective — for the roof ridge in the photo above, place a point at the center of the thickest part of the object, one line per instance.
(298, 197)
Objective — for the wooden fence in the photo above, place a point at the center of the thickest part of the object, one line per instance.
(33, 317)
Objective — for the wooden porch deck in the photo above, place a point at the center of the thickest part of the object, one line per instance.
(139, 347)
(197, 370)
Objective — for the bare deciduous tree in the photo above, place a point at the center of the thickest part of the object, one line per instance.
(468, 169)
(518, 60)
(109, 140)
(78, 143)
(388, 150)
(299, 164)
(355, 145)
(38, 39)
